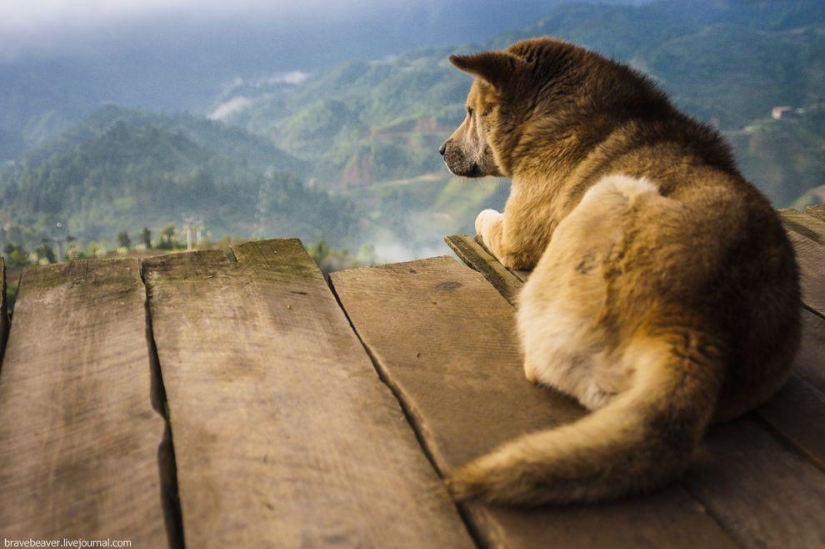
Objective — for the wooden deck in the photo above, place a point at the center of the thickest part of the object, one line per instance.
(199, 400)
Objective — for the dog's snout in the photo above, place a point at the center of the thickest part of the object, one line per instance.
(443, 148)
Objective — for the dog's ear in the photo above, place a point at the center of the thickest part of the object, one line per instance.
(498, 68)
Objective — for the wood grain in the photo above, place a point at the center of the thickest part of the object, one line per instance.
(797, 411)
(443, 338)
(766, 495)
(79, 437)
(284, 436)
(804, 224)
(811, 259)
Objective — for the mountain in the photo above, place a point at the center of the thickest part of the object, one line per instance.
(231, 141)
(726, 62)
(361, 137)
(172, 56)
(122, 170)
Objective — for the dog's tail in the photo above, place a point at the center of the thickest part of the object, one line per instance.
(641, 440)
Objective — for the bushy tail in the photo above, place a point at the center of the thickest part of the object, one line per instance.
(641, 440)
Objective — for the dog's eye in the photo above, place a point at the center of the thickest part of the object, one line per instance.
(470, 112)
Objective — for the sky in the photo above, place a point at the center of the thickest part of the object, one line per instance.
(180, 54)
(42, 14)
(26, 23)
(70, 27)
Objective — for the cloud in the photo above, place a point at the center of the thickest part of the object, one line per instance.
(226, 109)
(293, 77)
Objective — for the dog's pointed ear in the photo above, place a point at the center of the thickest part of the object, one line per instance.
(498, 68)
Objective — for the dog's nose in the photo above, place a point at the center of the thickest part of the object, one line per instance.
(442, 148)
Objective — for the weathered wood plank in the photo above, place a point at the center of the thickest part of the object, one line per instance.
(444, 339)
(4, 313)
(766, 495)
(804, 224)
(79, 436)
(810, 362)
(797, 411)
(284, 435)
(811, 259)
(471, 252)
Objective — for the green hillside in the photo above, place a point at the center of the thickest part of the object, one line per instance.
(361, 139)
(725, 62)
(123, 170)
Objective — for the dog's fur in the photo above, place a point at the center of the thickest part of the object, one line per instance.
(665, 291)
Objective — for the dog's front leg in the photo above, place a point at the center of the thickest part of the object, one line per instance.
(490, 227)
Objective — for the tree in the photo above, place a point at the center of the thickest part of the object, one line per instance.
(146, 237)
(168, 238)
(16, 256)
(46, 252)
(123, 240)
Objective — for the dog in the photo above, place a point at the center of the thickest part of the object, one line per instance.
(664, 293)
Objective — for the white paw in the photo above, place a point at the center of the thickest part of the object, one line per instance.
(530, 373)
(485, 221)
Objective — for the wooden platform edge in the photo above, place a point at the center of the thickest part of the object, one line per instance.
(4, 313)
(816, 211)
(804, 224)
(474, 255)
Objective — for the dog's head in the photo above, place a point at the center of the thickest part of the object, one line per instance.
(529, 79)
(470, 150)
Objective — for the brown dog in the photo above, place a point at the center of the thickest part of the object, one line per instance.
(665, 291)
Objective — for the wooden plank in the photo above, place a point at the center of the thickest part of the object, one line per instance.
(284, 435)
(79, 435)
(811, 259)
(766, 495)
(804, 224)
(816, 211)
(810, 362)
(4, 313)
(444, 340)
(471, 252)
(797, 411)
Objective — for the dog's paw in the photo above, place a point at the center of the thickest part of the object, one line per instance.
(485, 221)
(530, 373)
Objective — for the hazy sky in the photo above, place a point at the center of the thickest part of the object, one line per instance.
(25, 16)
(179, 54)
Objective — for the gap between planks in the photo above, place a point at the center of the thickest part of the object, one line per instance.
(306, 446)
(79, 432)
